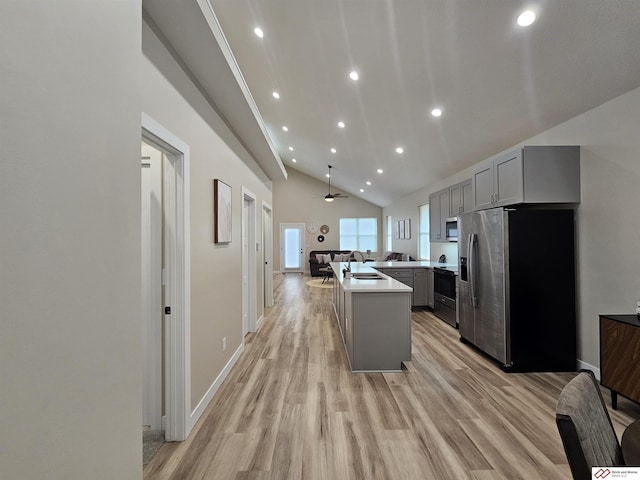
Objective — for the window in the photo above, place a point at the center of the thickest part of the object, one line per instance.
(389, 234)
(359, 234)
(424, 248)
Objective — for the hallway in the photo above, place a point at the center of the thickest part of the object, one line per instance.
(290, 409)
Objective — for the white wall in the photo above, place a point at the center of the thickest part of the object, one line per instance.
(295, 200)
(171, 99)
(70, 356)
(608, 222)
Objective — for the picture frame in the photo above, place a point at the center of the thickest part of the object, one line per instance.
(407, 229)
(401, 229)
(222, 219)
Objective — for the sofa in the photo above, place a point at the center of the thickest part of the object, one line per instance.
(315, 265)
(394, 256)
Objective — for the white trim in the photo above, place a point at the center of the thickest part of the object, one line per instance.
(251, 261)
(259, 322)
(267, 254)
(178, 354)
(215, 386)
(596, 370)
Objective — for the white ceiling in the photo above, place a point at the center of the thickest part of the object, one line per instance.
(498, 84)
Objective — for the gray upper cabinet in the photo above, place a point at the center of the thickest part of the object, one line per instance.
(439, 211)
(528, 175)
(460, 198)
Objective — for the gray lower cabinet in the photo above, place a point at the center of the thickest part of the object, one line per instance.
(420, 279)
(422, 287)
(377, 333)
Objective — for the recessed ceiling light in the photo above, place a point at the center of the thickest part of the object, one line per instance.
(291, 149)
(368, 183)
(436, 112)
(341, 124)
(275, 95)
(294, 160)
(258, 31)
(526, 18)
(333, 150)
(399, 150)
(285, 128)
(354, 75)
(362, 190)
(380, 170)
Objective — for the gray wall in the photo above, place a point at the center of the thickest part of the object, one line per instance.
(70, 356)
(608, 222)
(294, 202)
(171, 99)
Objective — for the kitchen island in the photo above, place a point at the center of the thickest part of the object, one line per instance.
(374, 315)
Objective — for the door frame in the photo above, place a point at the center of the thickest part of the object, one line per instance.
(267, 253)
(249, 259)
(301, 226)
(176, 186)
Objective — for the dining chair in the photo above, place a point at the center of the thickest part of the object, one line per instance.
(585, 427)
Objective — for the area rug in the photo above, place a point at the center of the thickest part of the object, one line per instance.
(317, 282)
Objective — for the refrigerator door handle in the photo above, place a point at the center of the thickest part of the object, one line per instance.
(472, 268)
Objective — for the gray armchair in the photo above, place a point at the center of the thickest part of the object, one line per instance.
(585, 427)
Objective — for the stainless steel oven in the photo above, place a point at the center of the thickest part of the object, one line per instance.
(444, 295)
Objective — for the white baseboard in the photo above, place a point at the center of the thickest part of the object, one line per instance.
(259, 322)
(596, 370)
(215, 386)
(277, 271)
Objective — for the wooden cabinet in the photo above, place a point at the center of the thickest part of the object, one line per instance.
(528, 175)
(439, 211)
(620, 356)
(460, 198)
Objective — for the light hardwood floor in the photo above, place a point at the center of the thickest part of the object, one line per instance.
(290, 409)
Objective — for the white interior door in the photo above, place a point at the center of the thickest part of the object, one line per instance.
(249, 265)
(245, 267)
(267, 253)
(292, 247)
(151, 249)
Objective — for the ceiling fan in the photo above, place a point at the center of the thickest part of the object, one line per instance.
(329, 197)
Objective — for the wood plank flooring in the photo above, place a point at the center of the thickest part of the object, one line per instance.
(291, 409)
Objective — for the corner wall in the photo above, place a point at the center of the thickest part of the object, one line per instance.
(70, 343)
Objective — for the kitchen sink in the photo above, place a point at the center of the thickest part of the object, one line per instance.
(366, 276)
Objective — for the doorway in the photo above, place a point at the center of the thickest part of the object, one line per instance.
(292, 247)
(167, 367)
(267, 253)
(249, 248)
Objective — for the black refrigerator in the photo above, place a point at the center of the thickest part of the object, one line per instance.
(517, 300)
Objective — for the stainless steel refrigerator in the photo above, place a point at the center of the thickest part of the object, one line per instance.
(517, 287)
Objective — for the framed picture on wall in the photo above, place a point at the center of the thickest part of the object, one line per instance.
(407, 229)
(222, 220)
(401, 225)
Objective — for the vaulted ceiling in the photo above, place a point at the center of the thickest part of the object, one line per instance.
(496, 83)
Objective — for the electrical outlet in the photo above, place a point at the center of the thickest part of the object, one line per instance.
(224, 343)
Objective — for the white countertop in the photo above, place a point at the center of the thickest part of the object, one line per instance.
(387, 284)
(411, 264)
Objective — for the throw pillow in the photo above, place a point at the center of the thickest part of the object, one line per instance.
(341, 257)
(323, 257)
